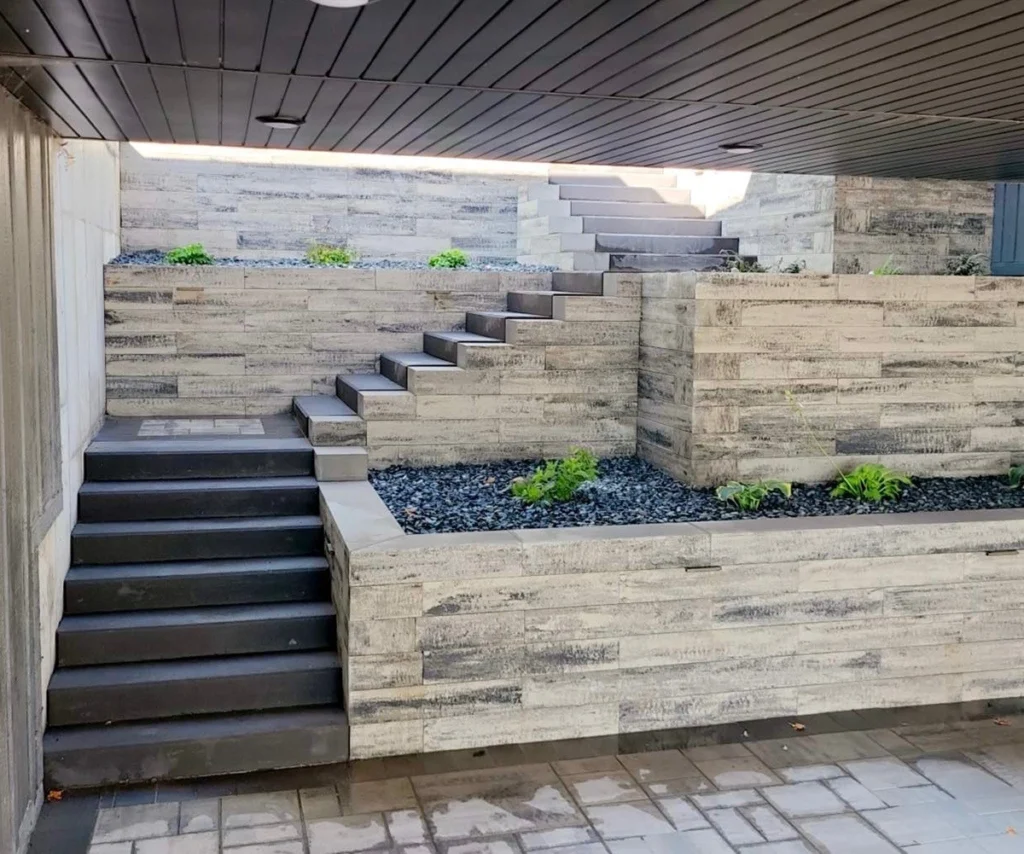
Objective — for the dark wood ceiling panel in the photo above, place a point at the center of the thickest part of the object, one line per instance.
(464, 115)
(204, 102)
(14, 82)
(513, 105)
(435, 114)
(462, 25)
(245, 29)
(138, 83)
(298, 98)
(43, 84)
(115, 25)
(202, 30)
(9, 41)
(419, 103)
(29, 22)
(173, 92)
(108, 87)
(541, 106)
(389, 102)
(290, 31)
(266, 101)
(369, 32)
(71, 23)
(157, 24)
(81, 94)
(416, 29)
(359, 99)
(325, 103)
(236, 100)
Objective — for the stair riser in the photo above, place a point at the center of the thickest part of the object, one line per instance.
(152, 701)
(665, 263)
(84, 596)
(442, 349)
(195, 545)
(641, 225)
(530, 303)
(665, 244)
(349, 396)
(578, 283)
(481, 324)
(140, 506)
(624, 194)
(394, 371)
(191, 465)
(122, 646)
(619, 179)
(635, 209)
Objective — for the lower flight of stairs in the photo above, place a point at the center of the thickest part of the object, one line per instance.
(199, 635)
(633, 220)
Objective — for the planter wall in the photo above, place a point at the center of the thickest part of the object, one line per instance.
(920, 372)
(468, 640)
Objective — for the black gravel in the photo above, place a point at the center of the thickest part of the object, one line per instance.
(629, 491)
(153, 257)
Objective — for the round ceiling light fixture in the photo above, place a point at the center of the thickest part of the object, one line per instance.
(740, 147)
(345, 4)
(281, 122)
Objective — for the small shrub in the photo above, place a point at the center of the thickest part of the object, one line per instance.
(966, 264)
(871, 482)
(794, 267)
(736, 263)
(324, 255)
(191, 254)
(557, 480)
(1016, 477)
(748, 496)
(450, 259)
(887, 269)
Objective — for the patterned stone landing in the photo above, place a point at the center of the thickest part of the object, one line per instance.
(173, 427)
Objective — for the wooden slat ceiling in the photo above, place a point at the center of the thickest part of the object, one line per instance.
(915, 88)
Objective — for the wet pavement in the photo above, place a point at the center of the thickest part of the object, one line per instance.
(927, 786)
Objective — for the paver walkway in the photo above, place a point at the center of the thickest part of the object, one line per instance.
(922, 788)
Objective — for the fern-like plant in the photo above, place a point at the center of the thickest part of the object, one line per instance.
(1016, 477)
(966, 264)
(871, 482)
(794, 267)
(450, 259)
(736, 263)
(748, 496)
(194, 253)
(889, 268)
(324, 255)
(557, 480)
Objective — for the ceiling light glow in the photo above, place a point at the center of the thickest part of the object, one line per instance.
(281, 122)
(740, 147)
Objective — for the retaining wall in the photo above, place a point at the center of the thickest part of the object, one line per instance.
(454, 641)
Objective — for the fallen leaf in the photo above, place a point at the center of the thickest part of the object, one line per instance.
(1001, 722)
(799, 727)
(54, 795)
(1011, 831)
(488, 481)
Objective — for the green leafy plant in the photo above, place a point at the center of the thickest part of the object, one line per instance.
(888, 269)
(794, 267)
(450, 259)
(325, 255)
(871, 482)
(736, 263)
(1016, 477)
(748, 496)
(557, 480)
(966, 264)
(191, 254)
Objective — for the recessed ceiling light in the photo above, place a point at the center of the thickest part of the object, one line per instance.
(345, 4)
(740, 147)
(281, 122)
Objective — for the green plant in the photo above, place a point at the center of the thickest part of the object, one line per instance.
(736, 263)
(966, 264)
(1016, 477)
(794, 267)
(557, 480)
(324, 255)
(748, 496)
(450, 259)
(871, 482)
(888, 269)
(191, 254)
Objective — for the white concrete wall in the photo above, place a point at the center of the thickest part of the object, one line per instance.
(86, 234)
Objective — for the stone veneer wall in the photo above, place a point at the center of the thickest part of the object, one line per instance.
(919, 372)
(245, 340)
(457, 641)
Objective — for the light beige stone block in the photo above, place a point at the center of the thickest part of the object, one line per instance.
(386, 602)
(815, 314)
(340, 464)
(382, 637)
(519, 594)
(393, 738)
(369, 672)
(880, 633)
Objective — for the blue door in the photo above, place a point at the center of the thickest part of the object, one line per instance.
(1008, 231)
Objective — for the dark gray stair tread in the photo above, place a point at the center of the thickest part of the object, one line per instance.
(132, 636)
(395, 366)
(664, 263)
(195, 526)
(160, 459)
(369, 382)
(659, 210)
(622, 193)
(211, 745)
(651, 225)
(491, 324)
(462, 337)
(127, 587)
(322, 405)
(612, 180)
(665, 244)
(445, 345)
(168, 689)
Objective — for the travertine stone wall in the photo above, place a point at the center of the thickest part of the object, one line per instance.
(246, 340)
(918, 372)
(458, 641)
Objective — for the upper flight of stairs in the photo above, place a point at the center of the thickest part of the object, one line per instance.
(199, 636)
(633, 220)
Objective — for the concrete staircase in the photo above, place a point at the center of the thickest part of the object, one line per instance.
(632, 220)
(199, 635)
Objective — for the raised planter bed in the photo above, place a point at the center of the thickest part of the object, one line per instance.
(463, 640)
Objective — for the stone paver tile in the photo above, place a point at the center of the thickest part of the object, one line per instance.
(548, 807)
(792, 846)
(682, 786)
(807, 773)
(1006, 761)
(568, 767)
(913, 795)
(255, 809)
(995, 806)
(658, 766)
(915, 825)
(292, 847)
(559, 837)
(111, 848)
(119, 824)
(481, 846)
(845, 834)
(517, 781)
(413, 849)
(688, 842)
(377, 796)
(878, 774)
(801, 800)
(717, 751)
(1005, 844)
(319, 803)
(193, 843)
(816, 749)
(856, 795)
(734, 827)
(585, 848)
(200, 816)
(615, 821)
(407, 827)
(682, 814)
(737, 773)
(736, 798)
(604, 787)
(769, 823)
(952, 846)
(896, 744)
(261, 834)
(962, 780)
(345, 834)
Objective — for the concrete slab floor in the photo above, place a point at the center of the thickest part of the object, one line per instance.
(265, 427)
(919, 781)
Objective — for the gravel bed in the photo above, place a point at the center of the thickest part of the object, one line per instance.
(153, 257)
(629, 491)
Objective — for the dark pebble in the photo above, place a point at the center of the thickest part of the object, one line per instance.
(629, 491)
